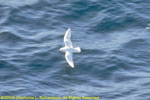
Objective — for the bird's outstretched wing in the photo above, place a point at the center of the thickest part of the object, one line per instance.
(67, 38)
(69, 59)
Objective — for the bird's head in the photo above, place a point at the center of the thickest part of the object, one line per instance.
(62, 49)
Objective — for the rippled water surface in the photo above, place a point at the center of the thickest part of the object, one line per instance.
(115, 60)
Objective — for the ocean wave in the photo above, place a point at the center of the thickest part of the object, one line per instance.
(9, 37)
(17, 3)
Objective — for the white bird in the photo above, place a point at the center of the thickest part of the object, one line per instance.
(68, 48)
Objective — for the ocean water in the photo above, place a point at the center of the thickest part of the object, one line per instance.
(115, 60)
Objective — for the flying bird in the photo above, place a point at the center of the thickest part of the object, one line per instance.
(69, 49)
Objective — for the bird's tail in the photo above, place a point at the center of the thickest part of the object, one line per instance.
(77, 49)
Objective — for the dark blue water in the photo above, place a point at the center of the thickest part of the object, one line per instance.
(115, 60)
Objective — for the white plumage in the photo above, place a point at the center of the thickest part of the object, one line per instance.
(68, 49)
